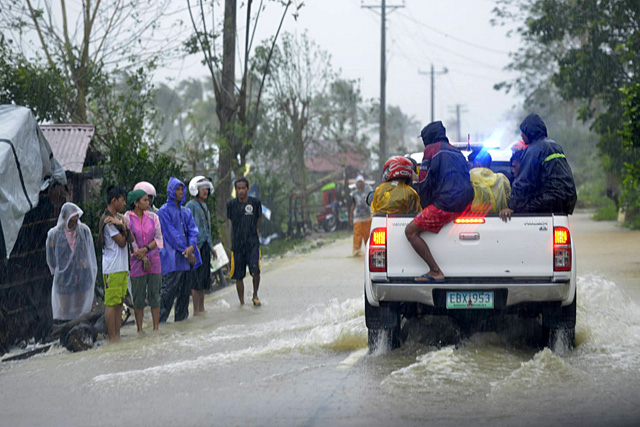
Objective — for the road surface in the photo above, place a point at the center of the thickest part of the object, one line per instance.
(301, 359)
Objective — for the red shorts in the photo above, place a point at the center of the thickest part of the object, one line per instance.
(433, 219)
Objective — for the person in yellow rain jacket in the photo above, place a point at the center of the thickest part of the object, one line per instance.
(395, 195)
(491, 190)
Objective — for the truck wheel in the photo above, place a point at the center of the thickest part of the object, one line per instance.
(560, 340)
(561, 337)
(383, 324)
(383, 339)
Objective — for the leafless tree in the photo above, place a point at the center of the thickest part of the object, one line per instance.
(301, 76)
(236, 106)
(81, 37)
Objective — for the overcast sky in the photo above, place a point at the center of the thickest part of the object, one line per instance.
(456, 34)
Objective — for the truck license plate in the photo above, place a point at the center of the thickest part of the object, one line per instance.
(470, 299)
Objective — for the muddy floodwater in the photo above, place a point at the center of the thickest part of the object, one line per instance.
(301, 359)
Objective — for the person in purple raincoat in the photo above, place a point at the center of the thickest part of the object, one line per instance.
(180, 255)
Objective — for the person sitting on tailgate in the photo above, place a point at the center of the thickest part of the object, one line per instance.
(491, 190)
(445, 193)
(395, 195)
(545, 180)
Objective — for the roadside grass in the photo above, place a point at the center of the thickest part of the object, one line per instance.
(591, 196)
(606, 212)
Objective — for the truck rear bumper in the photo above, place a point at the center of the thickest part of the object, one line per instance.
(516, 292)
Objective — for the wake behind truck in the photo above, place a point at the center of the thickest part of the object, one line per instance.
(524, 267)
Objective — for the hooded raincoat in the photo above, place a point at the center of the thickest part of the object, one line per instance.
(545, 181)
(179, 231)
(491, 191)
(71, 258)
(444, 174)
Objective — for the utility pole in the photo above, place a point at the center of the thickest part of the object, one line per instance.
(459, 109)
(433, 74)
(383, 74)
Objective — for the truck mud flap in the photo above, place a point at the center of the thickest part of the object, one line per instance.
(384, 317)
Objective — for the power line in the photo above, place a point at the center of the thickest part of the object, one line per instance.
(474, 61)
(458, 39)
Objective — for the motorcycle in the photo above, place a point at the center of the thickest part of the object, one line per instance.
(335, 214)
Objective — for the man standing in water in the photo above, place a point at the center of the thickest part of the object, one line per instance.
(245, 213)
(200, 188)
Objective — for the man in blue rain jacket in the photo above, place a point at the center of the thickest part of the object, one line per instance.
(545, 181)
(180, 255)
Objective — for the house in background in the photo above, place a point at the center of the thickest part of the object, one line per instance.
(71, 146)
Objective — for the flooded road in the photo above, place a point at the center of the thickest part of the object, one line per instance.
(301, 359)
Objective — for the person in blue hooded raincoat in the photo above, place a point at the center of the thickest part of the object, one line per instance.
(180, 255)
(545, 182)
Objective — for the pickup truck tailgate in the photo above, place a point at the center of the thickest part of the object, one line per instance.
(520, 248)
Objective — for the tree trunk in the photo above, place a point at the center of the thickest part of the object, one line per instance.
(301, 168)
(226, 109)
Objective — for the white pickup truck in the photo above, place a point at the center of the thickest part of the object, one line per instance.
(525, 267)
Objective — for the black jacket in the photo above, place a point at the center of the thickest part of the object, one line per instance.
(545, 181)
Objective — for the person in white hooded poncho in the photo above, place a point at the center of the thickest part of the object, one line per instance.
(72, 260)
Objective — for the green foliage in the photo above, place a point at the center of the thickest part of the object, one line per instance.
(401, 130)
(630, 134)
(580, 146)
(590, 52)
(187, 123)
(631, 127)
(130, 151)
(607, 212)
(32, 84)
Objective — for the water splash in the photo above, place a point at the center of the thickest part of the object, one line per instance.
(336, 326)
(608, 336)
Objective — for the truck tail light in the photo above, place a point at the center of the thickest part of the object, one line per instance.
(378, 250)
(469, 221)
(561, 249)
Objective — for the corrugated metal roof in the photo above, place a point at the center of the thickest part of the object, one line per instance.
(69, 144)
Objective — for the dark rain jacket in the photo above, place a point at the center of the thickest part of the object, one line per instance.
(179, 231)
(545, 181)
(444, 174)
